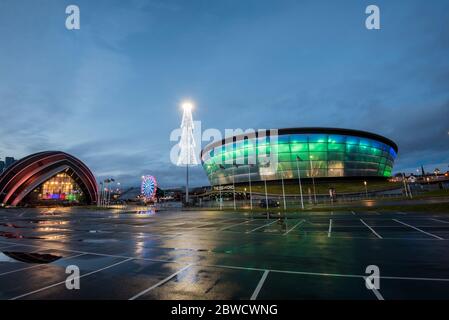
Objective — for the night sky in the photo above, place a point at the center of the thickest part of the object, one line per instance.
(110, 92)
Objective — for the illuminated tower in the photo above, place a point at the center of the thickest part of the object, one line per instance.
(187, 143)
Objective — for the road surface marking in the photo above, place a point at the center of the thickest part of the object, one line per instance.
(237, 224)
(40, 265)
(353, 213)
(265, 225)
(62, 282)
(330, 228)
(428, 233)
(376, 292)
(372, 230)
(300, 222)
(259, 285)
(437, 220)
(160, 282)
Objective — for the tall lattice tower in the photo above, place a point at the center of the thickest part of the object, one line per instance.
(187, 155)
(187, 142)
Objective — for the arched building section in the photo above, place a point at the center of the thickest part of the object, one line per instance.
(33, 171)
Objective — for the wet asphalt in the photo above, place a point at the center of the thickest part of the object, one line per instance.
(175, 254)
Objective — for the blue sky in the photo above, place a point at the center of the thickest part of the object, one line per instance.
(109, 93)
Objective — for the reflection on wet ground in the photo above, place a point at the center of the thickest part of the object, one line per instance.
(29, 257)
(145, 254)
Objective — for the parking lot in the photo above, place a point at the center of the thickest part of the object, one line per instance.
(222, 255)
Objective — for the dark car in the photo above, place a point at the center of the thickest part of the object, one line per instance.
(271, 203)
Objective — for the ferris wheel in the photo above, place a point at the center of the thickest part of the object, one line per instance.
(149, 187)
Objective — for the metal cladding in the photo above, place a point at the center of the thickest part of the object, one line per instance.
(28, 173)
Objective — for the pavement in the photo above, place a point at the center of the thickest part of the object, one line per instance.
(222, 255)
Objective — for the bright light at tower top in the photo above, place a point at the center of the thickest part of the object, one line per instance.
(187, 105)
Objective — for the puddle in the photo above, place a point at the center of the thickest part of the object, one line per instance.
(27, 257)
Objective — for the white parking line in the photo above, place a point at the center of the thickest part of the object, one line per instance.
(265, 225)
(40, 265)
(59, 283)
(330, 229)
(300, 222)
(160, 283)
(259, 285)
(331, 274)
(237, 224)
(437, 220)
(353, 213)
(372, 230)
(428, 233)
(250, 268)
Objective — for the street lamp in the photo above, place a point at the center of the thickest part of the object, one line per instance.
(313, 178)
(249, 179)
(299, 181)
(233, 182)
(283, 187)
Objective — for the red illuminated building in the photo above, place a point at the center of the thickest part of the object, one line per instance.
(48, 176)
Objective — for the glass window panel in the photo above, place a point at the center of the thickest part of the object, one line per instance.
(336, 139)
(336, 147)
(365, 142)
(335, 156)
(284, 139)
(352, 140)
(283, 148)
(320, 138)
(294, 138)
(299, 147)
(286, 156)
(318, 156)
(317, 147)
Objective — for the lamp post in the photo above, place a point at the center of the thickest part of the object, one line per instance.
(267, 164)
(313, 179)
(100, 194)
(250, 191)
(299, 182)
(233, 184)
(219, 189)
(283, 188)
(266, 194)
(222, 167)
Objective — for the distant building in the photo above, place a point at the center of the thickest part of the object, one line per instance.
(9, 161)
(299, 153)
(2, 166)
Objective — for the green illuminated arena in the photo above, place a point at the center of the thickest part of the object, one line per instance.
(319, 153)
